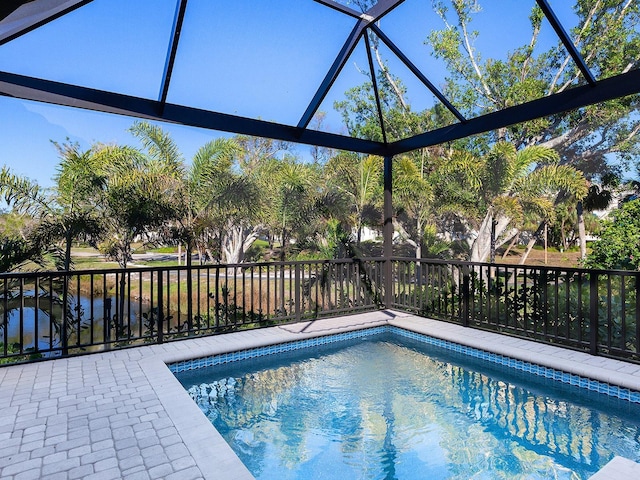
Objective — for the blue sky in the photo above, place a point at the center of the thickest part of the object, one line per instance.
(256, 58)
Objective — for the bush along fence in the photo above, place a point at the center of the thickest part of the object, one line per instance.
(54, 314)
(597, 311)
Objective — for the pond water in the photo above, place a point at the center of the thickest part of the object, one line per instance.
(85, 310)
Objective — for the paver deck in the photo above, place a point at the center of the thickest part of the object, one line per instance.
(123, 415)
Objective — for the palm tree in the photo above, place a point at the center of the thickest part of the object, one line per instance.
(597, 198)
(28, 202)
(415, 199)
(17, 245)
(509, 185)
(230, 196)
(294, 194)
(358, 179)
(64, 213)
(138, 195)
(77, 187)
(53, 217)
(214, 201)
(295, 200)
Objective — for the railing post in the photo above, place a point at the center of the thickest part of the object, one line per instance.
(388, 231)
(545, 302)
(189, 272)
(637, 282)
(298, 287)
(21, 319)
(465, 295)
(106, 317)
(5, 318)
(160, 309)
(593, 313)
(64, 335)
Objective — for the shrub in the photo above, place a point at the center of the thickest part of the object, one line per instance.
(619, 244)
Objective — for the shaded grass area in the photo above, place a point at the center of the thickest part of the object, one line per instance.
(555, 258)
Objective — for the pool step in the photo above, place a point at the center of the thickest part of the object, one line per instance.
(619, 468)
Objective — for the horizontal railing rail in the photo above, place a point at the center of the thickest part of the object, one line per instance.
(597, 311)
(52, 314)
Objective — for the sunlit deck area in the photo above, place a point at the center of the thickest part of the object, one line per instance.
(123, 414)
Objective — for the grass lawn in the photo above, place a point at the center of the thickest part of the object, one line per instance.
(555, 258)
(92, 263)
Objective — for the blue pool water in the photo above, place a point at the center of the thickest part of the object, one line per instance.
(386, 407)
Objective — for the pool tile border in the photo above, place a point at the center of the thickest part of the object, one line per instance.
(528, 367)
(520, 365)
(223, 358)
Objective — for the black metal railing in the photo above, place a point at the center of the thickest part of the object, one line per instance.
(52, 314)
(597, 311)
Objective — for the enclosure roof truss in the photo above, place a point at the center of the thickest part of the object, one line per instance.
(18, 17)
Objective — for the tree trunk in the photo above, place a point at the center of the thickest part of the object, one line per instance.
(531, 243)
(546, 236)
(120, 319)
(284, 239)
(492, 247)
(527, 251)
(64, 333)
(581, 230)
(235, 242)
(511, 245)
(481, 246)
(126, 254)
(67, 252)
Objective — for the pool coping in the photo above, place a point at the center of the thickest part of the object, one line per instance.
(603, 369)
(211, 452)
(145, 389)
(613, 372)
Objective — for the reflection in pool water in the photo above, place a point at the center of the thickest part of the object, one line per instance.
(387, 409)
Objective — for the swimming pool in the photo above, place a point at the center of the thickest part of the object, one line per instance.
(413, 407)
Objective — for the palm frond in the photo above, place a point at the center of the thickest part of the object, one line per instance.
(78, 176)
(464, 168)
(160, 147)
(116, 160)
(536, 154)
(549, 179)
(23, 194)
(215, 156)
(509, 207)
(543, 207)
